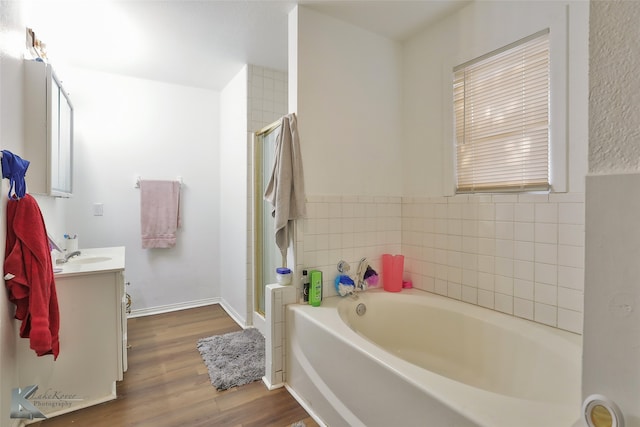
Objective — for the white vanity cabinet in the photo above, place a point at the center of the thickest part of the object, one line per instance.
(92, 336)
(48, 132)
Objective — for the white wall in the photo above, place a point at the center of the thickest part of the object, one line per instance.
(479, 28)
(11, 138)
(255, 98)
(348, 105)
(127, 127)
(233, 196)
(612, 323)
(518, 254)
(345, 87)
(615, 89)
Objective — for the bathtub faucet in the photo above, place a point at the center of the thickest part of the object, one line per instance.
(361, 285)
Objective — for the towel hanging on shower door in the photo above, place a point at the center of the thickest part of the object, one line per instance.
(285, 190)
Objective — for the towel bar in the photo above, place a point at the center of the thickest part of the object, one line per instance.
(139, 178)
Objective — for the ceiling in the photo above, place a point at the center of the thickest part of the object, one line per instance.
(201, 43)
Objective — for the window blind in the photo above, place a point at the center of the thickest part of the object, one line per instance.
(501, 103)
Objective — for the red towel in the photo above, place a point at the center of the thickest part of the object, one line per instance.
(29, 276)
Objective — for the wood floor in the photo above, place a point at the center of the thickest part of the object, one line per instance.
(167, 384)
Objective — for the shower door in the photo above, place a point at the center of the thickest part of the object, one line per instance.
(267, 256)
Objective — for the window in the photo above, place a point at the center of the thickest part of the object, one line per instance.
(501, 111)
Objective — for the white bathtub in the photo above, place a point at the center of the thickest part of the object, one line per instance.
(419, 359)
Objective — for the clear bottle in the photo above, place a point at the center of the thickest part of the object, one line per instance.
(305, 287)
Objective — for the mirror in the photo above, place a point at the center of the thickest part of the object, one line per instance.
(61, 140)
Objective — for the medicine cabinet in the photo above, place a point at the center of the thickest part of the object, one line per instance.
(48, 132)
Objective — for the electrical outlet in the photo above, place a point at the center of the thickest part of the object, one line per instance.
(98, 209)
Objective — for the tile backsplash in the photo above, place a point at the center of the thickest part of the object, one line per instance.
(519, 254)
(348, 228)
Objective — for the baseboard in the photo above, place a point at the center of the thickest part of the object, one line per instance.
(270, 386)
(190, 304)
(240, 320)
(259, 323)
(174, 307)
(305, 406)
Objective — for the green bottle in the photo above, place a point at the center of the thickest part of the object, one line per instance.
(315, 288)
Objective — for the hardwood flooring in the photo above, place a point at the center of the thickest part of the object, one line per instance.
(167, 384)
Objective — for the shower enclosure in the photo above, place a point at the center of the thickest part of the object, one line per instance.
(266, 254)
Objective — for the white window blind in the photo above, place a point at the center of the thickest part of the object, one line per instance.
(501, 103)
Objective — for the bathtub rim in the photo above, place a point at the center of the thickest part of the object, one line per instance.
(486, 408)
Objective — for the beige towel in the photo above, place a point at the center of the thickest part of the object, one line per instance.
(159, 213)
(285, 190)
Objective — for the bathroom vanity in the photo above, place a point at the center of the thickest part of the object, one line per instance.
(93, 336)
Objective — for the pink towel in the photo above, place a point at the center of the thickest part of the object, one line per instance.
(159, 213)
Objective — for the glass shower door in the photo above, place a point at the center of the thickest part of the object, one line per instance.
(267, 254)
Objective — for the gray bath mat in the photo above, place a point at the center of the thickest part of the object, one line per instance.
(233, 359)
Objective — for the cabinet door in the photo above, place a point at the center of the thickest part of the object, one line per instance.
(48, 132)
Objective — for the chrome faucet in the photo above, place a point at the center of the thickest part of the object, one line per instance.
(361, 285)
(358, 283)
(67, 257)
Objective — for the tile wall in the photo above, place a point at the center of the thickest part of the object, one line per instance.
(268, 95)
(276, 299)
(267, 92)
(348, 228)
(518, 254)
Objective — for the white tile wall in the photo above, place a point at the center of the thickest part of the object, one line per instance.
(518, 254)
(276, 298)
(267, 93)
(347, 228)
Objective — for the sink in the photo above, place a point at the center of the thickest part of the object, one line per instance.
(91, 260)
(88, 259)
